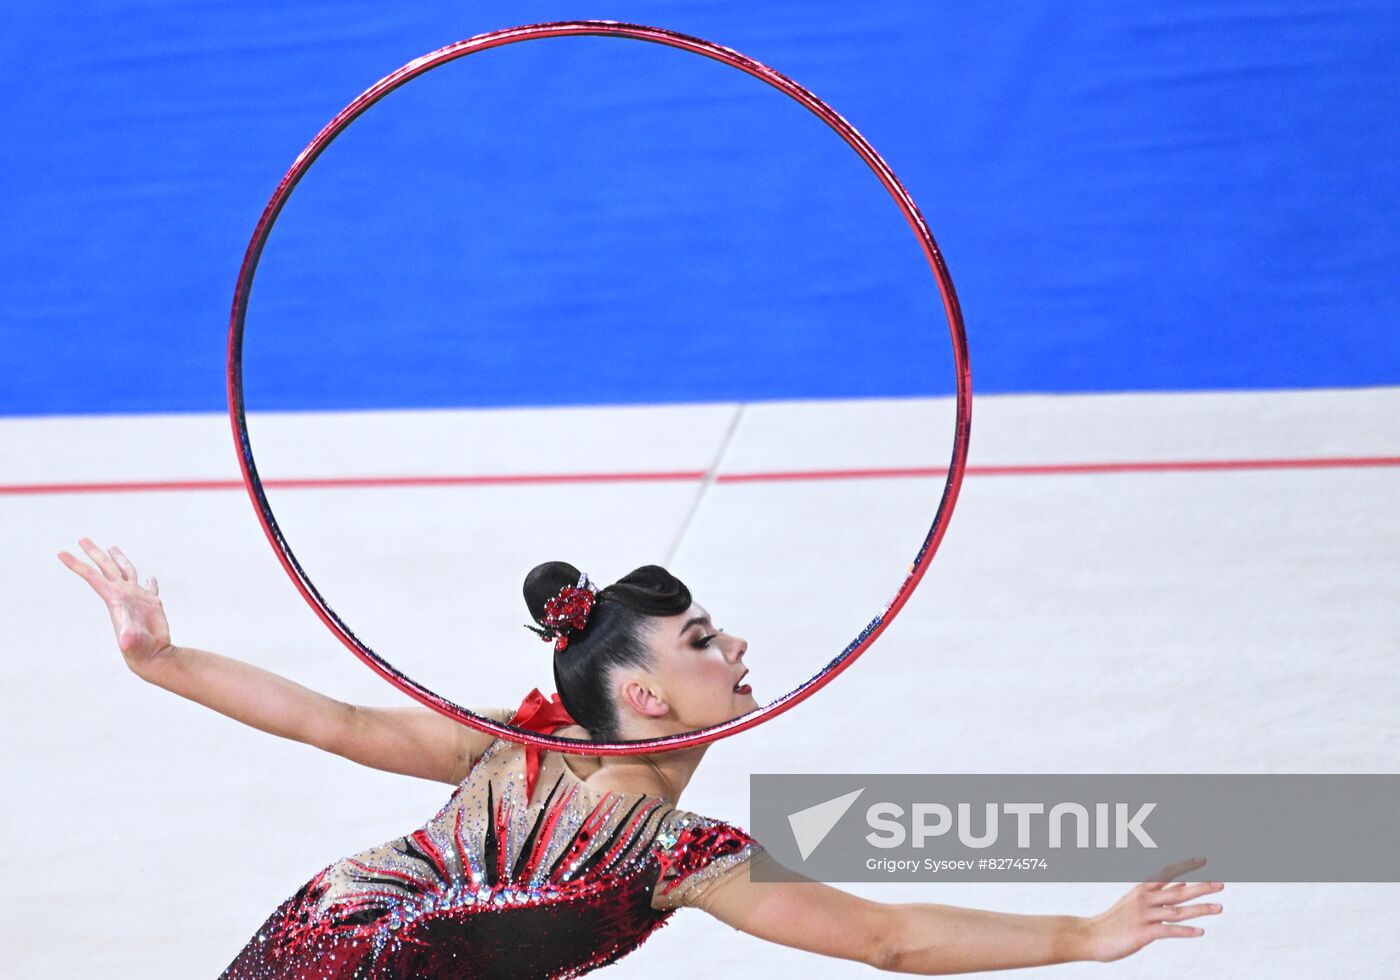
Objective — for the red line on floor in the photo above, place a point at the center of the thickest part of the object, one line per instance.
(1062, 469)
(1032, 469)
(338, 483)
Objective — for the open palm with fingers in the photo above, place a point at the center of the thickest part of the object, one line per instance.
(138, 618)
(1149, 910)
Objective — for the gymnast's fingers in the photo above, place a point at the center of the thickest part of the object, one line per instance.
(1164, 931)
(102, 559)
(124, 563)
(1175, 913)
(1166, 897)
(83, 569)
(1171, 871)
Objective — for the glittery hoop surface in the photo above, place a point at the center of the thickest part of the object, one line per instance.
(419, 66)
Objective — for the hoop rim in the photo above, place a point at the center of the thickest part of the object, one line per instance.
(597, 28)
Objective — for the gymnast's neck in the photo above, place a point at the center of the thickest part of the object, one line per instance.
(661, 774)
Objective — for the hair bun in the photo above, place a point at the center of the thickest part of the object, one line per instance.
(544, 582)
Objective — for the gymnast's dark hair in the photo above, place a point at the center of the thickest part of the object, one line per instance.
(614, 636)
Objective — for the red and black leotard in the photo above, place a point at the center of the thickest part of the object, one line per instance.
(503, 881)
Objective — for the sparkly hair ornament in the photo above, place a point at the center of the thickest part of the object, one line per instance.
(566, 614)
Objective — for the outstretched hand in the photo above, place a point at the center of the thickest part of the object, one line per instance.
(138, 618)
(1147, 911)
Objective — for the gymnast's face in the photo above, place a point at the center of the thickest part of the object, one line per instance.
(697, 674)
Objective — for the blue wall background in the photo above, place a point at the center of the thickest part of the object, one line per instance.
(1157, 195)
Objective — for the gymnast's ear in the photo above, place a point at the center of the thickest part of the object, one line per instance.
(637, 696)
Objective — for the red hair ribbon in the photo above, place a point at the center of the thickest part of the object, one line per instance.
(538, 715)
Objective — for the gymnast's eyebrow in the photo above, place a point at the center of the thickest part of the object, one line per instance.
(692, 622)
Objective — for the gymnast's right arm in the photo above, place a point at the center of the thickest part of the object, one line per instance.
(928, 939)
(412, 740)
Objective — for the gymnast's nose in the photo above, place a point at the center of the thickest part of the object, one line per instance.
(736, 651)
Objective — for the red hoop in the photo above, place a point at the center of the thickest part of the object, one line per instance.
(962, 426)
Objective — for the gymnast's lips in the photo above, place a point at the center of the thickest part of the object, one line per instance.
(741, 681)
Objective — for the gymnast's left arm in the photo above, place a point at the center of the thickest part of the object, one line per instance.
(412, 740)
(928, 939)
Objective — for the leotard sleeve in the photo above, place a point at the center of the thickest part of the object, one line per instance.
(700, 857)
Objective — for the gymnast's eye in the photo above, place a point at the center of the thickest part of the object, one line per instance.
(705, 641)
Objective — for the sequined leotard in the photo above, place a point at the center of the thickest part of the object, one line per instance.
(502, 883)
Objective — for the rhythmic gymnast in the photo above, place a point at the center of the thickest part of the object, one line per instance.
(542, 864)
